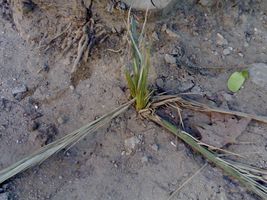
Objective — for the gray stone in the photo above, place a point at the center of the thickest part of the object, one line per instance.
(226, 52)
(220, 40)
(72, 87)
(164, 27)
(169, 59)
(130, 143)
(160, 82)
(147, 4)
(62, 120)
(19, 89)
(172, 33)
(155, 147)
(144, 159)
(155, 36)
(4, 196)
(258, 74)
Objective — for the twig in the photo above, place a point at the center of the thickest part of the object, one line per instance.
(54, 38)
(194, 105)
(187, 181)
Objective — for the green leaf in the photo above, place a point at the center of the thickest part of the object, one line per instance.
(236, 80)
(245, 73)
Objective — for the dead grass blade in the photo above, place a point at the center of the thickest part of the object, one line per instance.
(200, 107)
(47, 151)
(250, 177)
(187, 181)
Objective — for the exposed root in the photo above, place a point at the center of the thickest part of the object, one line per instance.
(85, 44)
(196, 106)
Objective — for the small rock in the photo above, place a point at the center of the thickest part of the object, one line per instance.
(258, 74)
(220, 40)
(246, 44)
(241, 55)
(172, 33)
(122, 5)
(5, 104)
(4, 196)
(226, 52)
(62, 120)
(155, 147)
(160, 83)
(144, 159)
(170, 59)
(155, 36)
(20, 89)
(72, 87)
(164, 27)
(131, 142)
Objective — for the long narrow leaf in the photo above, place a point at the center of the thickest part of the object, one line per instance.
(54, 147)
(234, 171)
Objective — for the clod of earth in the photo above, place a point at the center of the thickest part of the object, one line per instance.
(19, 91)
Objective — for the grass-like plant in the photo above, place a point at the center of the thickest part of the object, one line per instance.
(254, 179)
(65, 142)
(251, 177)
(137, 76)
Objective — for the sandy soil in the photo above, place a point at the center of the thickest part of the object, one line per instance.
(57, 102)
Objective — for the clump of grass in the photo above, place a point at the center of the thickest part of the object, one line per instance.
(138, 74)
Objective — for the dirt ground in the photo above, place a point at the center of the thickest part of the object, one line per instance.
(194, 50)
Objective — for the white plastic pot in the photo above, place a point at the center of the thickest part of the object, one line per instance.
(148, 4)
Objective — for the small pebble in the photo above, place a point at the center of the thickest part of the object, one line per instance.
(220, 40)
(246, 44)
(144, 159)
(155, 147)
(164, 27)
(62, 120)
(226, 52)
(131, 142)
(72, 87)
(160, 83)
(169, 59)
(172, 33)
(241, 55)
(155, 36)
(19, 89)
